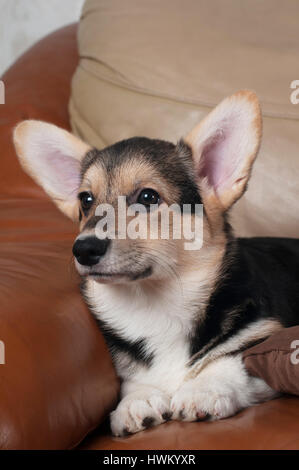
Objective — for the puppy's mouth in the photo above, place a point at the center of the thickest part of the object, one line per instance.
(106, 278)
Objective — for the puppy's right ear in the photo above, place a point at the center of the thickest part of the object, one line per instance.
(52, 156)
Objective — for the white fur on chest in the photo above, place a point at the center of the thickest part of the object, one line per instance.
(164, 318)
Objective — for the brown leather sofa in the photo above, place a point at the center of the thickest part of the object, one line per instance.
(58, 385)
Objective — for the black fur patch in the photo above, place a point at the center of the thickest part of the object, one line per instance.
(89, 159)
(260, 280)
(116, 343)
(142, 275)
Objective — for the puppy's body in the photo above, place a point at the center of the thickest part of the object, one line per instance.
(175, 320)
(257, 292)
(153, 344)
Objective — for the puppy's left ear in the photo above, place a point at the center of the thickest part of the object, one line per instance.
(52, 157)
(224, 146)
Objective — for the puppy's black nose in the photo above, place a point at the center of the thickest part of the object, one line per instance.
(88, 251)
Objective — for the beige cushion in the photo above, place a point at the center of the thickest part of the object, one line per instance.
(155, 68)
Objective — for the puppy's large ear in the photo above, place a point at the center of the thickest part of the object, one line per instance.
(224, 146)
(51, 156)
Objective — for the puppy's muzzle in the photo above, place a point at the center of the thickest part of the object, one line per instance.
(88, 251)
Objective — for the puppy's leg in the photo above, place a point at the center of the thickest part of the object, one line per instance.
(141, 406)
(222, 389)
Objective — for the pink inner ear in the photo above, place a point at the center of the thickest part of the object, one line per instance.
(221, 158)
(63, 173)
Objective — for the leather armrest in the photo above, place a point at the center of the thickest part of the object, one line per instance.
(37, 86)
(57, 382)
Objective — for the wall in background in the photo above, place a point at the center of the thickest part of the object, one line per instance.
(23, 22)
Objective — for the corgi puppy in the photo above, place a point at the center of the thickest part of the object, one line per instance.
(175, 320)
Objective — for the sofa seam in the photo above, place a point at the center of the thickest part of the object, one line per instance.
(159, 94)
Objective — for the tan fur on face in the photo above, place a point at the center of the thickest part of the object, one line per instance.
(169, 257)
(124, 180)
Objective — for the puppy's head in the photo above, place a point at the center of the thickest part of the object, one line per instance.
(211, 166)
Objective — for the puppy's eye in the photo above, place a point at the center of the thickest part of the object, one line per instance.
(86, 200)
(148, 196)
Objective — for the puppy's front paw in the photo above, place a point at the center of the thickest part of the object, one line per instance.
(140, 410)
(194, 401)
